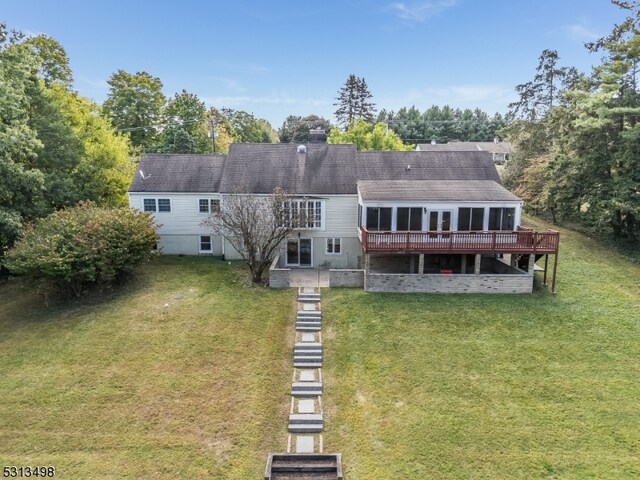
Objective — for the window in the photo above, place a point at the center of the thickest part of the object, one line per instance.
(379, 218)
(502, 218)
(303, 214)
(149, 204)
(470, 219)
(334, 246)
(205, 244)
(208, 205)
(157, 205)
(409, 219)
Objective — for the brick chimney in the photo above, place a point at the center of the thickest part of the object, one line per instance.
(317, 135)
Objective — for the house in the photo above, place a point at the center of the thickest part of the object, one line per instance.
(499, 150)
(387, 221)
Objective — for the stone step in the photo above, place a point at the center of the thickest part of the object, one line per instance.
(307, 328)
(308, 323)
(305, 428)
(307, 352)
(309, 313)
(307, 358)
(299, 364)
(306, 389)
(309, 297)
(307, 346)
(305, 418)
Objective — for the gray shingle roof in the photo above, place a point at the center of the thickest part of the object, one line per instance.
(492, 147)
(474, 165)
(260, 167)
(434, 190)
(178, 173)
(323, 170)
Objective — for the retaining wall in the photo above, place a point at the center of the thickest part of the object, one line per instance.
(278, 277)
(438, 283)
(346, 278)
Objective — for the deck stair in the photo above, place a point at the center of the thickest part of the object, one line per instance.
(304, 467)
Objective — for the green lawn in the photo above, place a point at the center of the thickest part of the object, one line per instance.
(120, 386)
(472, 386)
(416, 386)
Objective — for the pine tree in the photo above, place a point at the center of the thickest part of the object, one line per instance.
(354, 101)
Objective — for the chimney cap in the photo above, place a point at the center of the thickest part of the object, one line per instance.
(317, 135)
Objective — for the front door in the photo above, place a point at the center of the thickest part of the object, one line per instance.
(299, 252)
(440, 221)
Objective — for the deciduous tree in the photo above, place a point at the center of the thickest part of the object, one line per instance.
(134, 104)
(256, 226)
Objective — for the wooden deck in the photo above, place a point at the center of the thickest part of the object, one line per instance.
(522, 241)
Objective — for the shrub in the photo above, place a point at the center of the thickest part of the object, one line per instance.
(84, 245)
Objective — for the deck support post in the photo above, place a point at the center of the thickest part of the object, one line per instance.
(463, 263)
(476, 268)
(555, 269)
(412, 264)
(546, 261)
(367, 262)
(421, 263)
(532, 263)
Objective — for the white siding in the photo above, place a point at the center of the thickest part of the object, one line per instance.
(184, 218)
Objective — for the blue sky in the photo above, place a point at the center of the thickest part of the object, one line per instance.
(291, 57)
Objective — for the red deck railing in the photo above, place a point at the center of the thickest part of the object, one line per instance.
(520, 241)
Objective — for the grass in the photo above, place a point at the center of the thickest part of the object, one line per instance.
(481, 386)
(118, 385)
(416, 386)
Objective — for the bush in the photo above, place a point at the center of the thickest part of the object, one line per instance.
(83, 246)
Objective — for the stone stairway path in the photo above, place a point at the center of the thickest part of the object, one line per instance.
(306, 419)
(304, 458)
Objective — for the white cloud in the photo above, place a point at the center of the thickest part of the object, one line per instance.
(580, 32)
(421, 11)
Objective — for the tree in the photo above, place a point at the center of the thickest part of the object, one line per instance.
(354, 102)
(185, 125)
(21, 185)
(83, 246)
(369, 137)
(104, 168)
(541, 94)
(255, 225)
(295, 129)
(134, 105)
(218, 128)
(54, 62)
(245, 128)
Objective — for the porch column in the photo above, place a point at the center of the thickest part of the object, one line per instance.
(367, 262)
(463, 263)
(532, 262)
(421, 263)
(476, 268)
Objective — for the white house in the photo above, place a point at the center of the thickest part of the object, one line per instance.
(408, 221)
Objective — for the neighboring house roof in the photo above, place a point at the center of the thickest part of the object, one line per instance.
(178, 173)
(434, 191)
(492, 147)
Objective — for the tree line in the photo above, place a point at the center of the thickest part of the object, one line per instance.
(576, 136)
